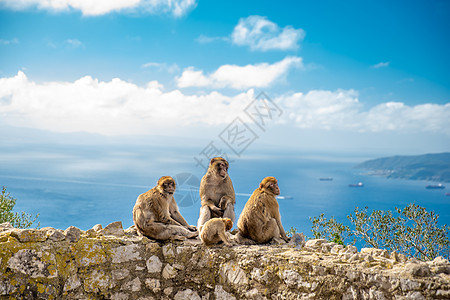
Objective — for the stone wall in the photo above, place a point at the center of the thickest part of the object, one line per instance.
(112, 263)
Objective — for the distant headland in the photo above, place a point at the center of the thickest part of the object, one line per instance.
(432, 167)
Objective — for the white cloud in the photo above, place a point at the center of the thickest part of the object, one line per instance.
(399, 116)
(119, 107)
(341, 110)
(151, 65)
(100, 7)
(74, 43)
(203, 39)
(381, 65)
(9, 42)
(162, 67)
(191, 77)
(114, 107)
(239, 77)
(261, 34)
(323, 109)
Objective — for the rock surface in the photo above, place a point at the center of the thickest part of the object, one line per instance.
(113, 263)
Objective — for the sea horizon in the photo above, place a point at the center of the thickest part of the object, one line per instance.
(103, 197)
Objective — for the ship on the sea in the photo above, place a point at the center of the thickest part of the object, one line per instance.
(435, 186)
(285, 197)
(326, 178)
(359, 184)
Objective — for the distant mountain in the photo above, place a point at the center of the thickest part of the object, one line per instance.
(434, 167)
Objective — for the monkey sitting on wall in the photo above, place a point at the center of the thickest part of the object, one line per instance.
(260, 220)
(156, 213)
(216, 193)
(214, 231)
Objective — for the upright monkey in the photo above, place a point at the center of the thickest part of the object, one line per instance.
(156, 213)
(216, 193)
(260, 220)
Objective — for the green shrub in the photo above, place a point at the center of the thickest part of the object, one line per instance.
(17, 220)
(330, 230)
(412, 231)
(291, 232)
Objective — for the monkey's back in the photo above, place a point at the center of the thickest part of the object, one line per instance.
(210, 231)
(149, 207)
(253, 213)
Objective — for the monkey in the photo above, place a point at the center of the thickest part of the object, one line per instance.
(214, 231)
(216, 193)
(260, 220)
(156, 213)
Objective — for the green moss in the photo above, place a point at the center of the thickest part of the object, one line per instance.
(153, 247)
(90, 251)
(97, 281)
(272, 268)
(9, 248)
(13, 282)
(65, 263)
(40, 288)
(4, 236)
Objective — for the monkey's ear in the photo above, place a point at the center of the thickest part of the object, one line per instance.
(212, 161)
(261, 185)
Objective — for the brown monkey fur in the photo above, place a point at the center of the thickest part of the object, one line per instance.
(216, 193)
(156, 213)
(214, 231)
(260, 220)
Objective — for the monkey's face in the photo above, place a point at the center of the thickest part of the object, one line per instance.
(228, 224)
(168, 187)
(274, 187)
(271, 187)
(222, 169)
(219, 166)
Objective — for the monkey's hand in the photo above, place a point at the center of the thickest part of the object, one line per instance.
(191, 228)
(216, 210)
(223, 202)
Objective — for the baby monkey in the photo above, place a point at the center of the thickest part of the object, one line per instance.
(214, 231)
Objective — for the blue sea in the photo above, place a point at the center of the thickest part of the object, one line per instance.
(84, 189)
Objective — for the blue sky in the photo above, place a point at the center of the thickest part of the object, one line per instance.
(358, 73)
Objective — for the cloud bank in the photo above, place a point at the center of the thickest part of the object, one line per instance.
(239, 77)
(260, 34)
(100, 7)
(74, 43)
(342, 110)
(9, 42)
(119, 107)
(111, 108)
(170, 68)
(381, 65)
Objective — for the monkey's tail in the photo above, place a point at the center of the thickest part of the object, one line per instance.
(240, 239)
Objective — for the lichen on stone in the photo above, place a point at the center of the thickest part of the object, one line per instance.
(75, 264)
